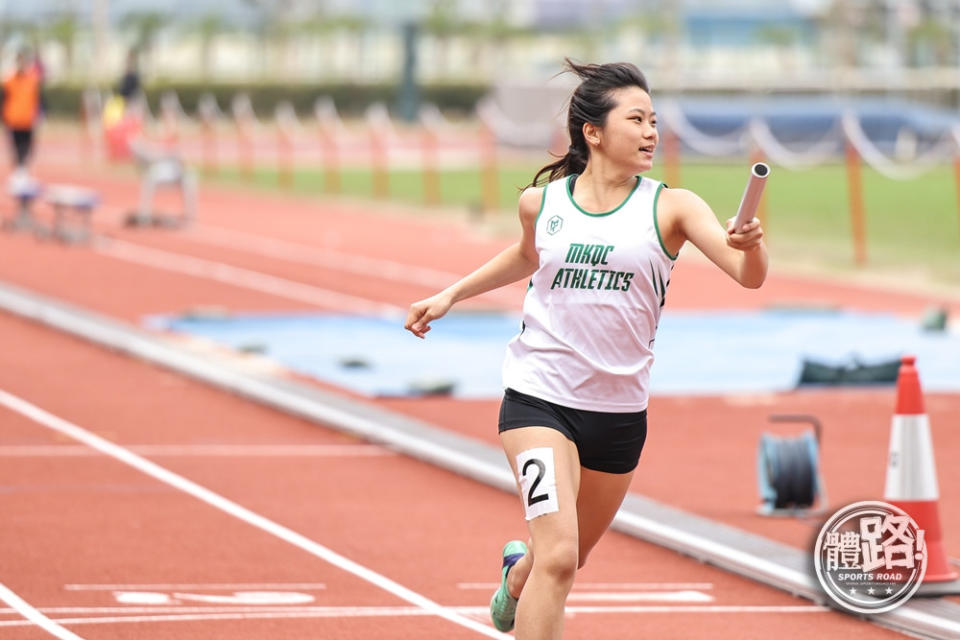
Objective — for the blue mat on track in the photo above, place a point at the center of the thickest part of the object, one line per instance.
(697, 352)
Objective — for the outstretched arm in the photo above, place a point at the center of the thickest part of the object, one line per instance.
(514, 263)
(742, 255)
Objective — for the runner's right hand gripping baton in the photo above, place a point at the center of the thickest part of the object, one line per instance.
(751, 195)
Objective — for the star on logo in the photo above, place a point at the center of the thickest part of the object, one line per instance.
(838, 552)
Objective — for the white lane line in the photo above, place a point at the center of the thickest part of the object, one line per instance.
(391, 612)
(380, 268)
(322, 257)
(169, 608)
(223, 586)
(245, 278)
(630, 586)
(34, 617)
(638, 596)
(242, 513)
(204, 450)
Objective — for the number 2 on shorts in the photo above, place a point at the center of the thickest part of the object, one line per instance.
(538, 482)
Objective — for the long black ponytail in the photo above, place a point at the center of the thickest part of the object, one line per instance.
(590, 102)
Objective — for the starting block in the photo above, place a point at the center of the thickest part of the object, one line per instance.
(160, 169)
(24, 190)
(70, 202)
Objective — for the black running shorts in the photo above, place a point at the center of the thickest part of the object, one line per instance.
(609, 442)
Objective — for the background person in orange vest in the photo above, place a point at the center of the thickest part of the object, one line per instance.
(20, 105)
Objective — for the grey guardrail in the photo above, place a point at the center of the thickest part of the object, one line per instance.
(741, 552)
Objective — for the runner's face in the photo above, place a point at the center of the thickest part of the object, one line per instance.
(630, 136)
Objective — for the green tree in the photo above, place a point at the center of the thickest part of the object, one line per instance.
(499, 34)
(324, 27)
(930, 43)
(144, 26)
(276, 28)
(442, 22)
(9, 29)
(208, 28)
(63, 31)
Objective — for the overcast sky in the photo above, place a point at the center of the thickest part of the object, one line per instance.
(242, 12)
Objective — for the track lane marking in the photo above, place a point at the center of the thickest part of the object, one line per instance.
(244, 278)
(224, 586)
(217, 501)
(319, 256)
(33, 616)
(389, 612)
(639, 596)
(631, 586)
(203, 450)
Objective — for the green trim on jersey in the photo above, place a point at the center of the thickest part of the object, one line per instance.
(543, 201)
(606, 213)
(656, 224)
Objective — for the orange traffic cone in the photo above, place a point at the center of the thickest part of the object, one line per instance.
(911, 473)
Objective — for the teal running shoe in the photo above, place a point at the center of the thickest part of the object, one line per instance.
(503, 606)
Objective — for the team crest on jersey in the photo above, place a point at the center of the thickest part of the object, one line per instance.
(554, 224)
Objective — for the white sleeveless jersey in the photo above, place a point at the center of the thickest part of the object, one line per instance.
(591, 312)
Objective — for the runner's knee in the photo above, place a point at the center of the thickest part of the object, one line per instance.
(558, 560)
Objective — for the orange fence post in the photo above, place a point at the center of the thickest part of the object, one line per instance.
(208, 113)
(245, 149)
(284, 158)
(288, 129)
(857, 217)
(210, 159)
(285, 119)
(431, 174)
(244, 118)
(331, 160)
(490, 178)
(378, 157)
(671, 158)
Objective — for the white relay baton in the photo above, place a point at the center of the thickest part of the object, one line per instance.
(751, 195)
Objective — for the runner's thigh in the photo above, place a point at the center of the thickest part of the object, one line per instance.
(546, 466)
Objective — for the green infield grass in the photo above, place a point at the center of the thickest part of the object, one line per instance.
(912, 226)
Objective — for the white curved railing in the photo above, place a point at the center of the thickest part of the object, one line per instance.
(726, 145)
(377, 117)
(882, 164)
(208, 110)
(287, 120)
(519, 134)
(816, 154)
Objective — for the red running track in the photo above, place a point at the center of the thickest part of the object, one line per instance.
(300, 242)
(857, 422)
(106, 551)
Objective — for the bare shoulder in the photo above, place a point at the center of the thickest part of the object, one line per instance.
(677, 201)
(677, 207)
(530, 202)
(679, 213)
